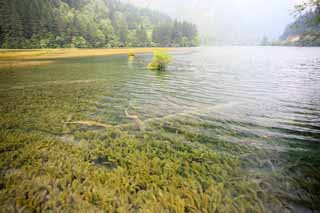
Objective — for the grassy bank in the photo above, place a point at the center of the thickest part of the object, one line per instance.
(24, 58)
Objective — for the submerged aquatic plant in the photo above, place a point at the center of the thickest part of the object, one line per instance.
(60, 155)
(160, 61)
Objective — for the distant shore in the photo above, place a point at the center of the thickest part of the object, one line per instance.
(36, 57)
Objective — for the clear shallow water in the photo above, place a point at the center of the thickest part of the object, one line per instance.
(265, 97)
(271, 92)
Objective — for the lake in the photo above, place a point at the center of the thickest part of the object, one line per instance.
(265, 100)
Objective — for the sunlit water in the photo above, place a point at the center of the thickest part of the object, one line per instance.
(266, 97)
(270, 92)
(262, 96)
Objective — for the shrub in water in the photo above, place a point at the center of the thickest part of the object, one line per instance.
(160, 61)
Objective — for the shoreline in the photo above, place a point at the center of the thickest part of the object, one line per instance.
(35, 57)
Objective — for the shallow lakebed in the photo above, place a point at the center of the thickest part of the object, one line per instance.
(224, 129)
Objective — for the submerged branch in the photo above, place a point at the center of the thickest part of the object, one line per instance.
(90, 123)
(137, 122)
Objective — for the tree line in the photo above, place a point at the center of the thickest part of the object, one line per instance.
(305, 30)
(309, 6)
(305, 23)
(89, 24)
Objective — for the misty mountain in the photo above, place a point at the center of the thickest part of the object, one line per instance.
(304, 31)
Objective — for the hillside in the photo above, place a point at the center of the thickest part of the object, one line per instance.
(305, 31)
(88, 24)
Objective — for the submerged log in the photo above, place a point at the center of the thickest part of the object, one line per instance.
(138, 123)
(90, 123)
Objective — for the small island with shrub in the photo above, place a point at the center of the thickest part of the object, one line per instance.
(160, 61)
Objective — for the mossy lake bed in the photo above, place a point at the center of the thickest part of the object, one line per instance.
(211, 134)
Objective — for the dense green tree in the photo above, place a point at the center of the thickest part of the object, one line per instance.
(107, 29)
(162, 35)
(88, 23)
(310, 6)
(11, 26)
(79, 42)
(184, 42)
(122, 28)
(132, 39)
(305, 30)
(175, 34)
(142, 37)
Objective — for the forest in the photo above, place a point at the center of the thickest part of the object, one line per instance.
(306, 27)
(29, 24)
(305, 30)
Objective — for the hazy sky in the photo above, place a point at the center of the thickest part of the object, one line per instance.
(230, 20)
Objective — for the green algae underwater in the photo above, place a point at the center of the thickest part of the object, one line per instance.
(104, 134)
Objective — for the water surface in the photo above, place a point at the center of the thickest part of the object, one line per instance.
(264, 97)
